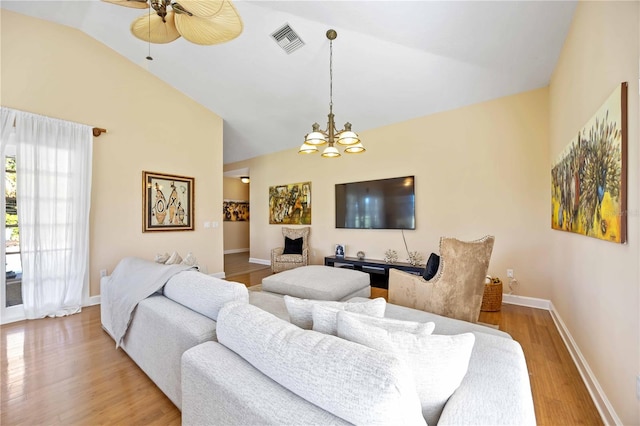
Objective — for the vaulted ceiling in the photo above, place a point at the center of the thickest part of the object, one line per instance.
(392, 60)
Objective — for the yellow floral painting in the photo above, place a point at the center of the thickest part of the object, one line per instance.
(588, 182)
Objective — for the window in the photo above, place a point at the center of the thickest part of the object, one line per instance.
(12, 236)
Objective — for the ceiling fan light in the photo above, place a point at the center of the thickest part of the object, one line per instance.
(355, 149)
(330, 152)
(151, 28)
(315, 138)
(305, 148)
(245, 179)
(348, 138)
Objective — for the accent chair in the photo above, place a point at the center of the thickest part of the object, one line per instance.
(457, 288)
(295, 252)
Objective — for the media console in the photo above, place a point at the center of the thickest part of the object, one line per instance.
(378, 270)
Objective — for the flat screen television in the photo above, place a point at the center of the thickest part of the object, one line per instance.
(376, 204)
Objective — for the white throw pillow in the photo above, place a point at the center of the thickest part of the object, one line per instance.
(174, 259)
(358, 384)
(161, 258)
(190, 260)
(301, 310)
(439, 363)
(325, 318)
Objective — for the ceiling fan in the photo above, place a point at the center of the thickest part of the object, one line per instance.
(203, 22)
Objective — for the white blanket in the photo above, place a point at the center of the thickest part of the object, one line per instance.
(133, 280)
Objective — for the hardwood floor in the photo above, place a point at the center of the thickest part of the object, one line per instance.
(67, 371)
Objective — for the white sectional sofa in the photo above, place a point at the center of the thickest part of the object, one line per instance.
(173, 336)
(237, 381)
(167, 323)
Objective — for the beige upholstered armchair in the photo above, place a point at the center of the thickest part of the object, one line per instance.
(457, 288)
(295, 253)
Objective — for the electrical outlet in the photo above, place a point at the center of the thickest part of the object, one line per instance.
(103, 273)
(509, 273)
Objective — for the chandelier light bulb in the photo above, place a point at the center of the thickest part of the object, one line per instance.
(331, 152)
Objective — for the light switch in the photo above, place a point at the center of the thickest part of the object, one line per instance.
(207, 224)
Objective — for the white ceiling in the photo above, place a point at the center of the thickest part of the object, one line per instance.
(393, 60)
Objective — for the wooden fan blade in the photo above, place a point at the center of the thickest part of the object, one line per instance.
(202, 8)
(151, 28)
(220, 28)
(136, 4)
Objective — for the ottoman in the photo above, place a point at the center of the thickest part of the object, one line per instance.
(319, 283)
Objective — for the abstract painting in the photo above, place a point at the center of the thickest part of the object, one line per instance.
(235, 211)
(290, 204)
(589, 180)
(167, 202)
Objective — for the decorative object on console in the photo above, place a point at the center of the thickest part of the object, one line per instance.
(202, 22)
(360, 255)
(390, 256)
(167, 202)
(290, 204)
(340, 250)
(319, 137)
(415, 258)
(174, 259)
(589, 180)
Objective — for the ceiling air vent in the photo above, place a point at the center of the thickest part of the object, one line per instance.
(287, 39)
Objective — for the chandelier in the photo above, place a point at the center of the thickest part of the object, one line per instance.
(204, 22)
(319, 137)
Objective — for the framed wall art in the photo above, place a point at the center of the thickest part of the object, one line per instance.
(235, 211)
(290, 204)
(167, 202)
(589, 179)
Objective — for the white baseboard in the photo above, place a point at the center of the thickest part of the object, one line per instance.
(260, 261)
(220, 275)
(93, 300)
(604, 407)
(530, 302)
(240, 250)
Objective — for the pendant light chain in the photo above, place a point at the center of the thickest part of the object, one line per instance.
(331, 75)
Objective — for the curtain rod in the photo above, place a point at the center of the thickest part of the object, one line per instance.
(97, 131)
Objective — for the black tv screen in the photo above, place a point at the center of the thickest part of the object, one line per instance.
(376, 204)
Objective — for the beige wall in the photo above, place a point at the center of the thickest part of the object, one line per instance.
(60, 72)
(596, 283)
(236, 234)
(479, 170)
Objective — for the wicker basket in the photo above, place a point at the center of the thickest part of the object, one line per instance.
(492, 297)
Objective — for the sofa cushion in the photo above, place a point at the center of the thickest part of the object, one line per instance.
(301, 310)
(325, 319)
(431, 268)
(203, 293)
(292, 246)
(439, 363)
(356, 383)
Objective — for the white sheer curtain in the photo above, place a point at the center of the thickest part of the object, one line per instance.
(53, 173)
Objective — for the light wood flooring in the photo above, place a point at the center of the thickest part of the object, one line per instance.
(67, 371)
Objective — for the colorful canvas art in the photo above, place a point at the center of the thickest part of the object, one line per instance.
(588, 182)
(290, 204)
(235, 211)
